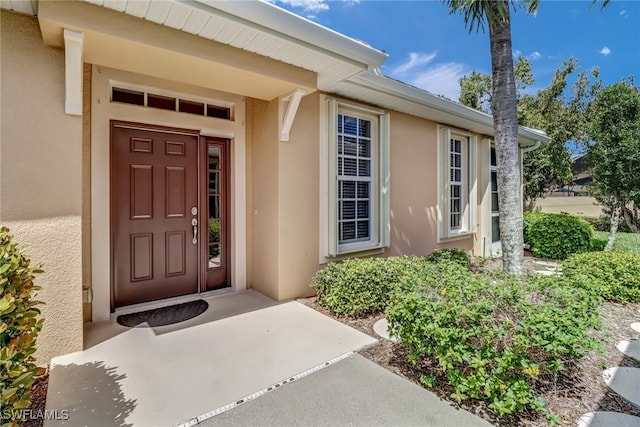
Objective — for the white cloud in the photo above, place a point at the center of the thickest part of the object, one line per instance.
(534, 55)
(416, 60)
(308, 6)
(623, 12)
(438, 78)
(604, 51)
(311, 7)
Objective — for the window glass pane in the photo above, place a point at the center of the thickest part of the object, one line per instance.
(218, 112)
(455, 206)
(350, 146)
(495, 229)
(363, 190)
(364, 148)
(365, 128)
(192, 107)
(495, 207)
(347, 190)
(127, 96)
(348, 210)
(350, 167)
(340, 145)
(494, 181)
(494, 162)
(364, 168)
(350, 125)
(363, 209)
(163, 102)
(340, 119)
(347, 231)
(457, 175)
(214, 215)
(363, 230)
(457, 161)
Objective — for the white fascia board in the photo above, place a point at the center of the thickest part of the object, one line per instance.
(273, 19)
(413, 94)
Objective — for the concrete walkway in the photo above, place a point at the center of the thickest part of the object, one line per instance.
(352, 392)
(244, 345)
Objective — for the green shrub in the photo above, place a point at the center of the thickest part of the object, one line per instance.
(528, 219)
(598, 245)
(613, 275)
(450, 255)
(556, 236)
(492, 337)
(19, 327)
(361, 286)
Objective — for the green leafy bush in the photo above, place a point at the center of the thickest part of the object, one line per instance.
(528, 219)
(360, 286)
(492, 337)
(451, 255)
(556, 236)
(19, 327)
(613, 275)
(598, 245)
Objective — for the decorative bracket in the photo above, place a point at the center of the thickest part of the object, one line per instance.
(288, 109)
(73, 72)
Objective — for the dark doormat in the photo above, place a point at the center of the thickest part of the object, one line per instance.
(165, 315)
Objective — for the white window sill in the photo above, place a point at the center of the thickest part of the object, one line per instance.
(458, 236)
(355, 253)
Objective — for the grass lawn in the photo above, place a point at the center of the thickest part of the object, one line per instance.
(624, 241)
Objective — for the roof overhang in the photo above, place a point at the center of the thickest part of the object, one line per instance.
(392, 94)
(251, 48)
(317, 57)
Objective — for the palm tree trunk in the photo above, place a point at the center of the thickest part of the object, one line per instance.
(505, 122)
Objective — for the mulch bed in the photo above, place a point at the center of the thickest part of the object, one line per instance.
(578, 389)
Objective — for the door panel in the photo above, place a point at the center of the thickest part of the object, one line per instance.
(154, 185)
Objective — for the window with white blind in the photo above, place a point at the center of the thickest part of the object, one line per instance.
(357, 179)
(457, 189)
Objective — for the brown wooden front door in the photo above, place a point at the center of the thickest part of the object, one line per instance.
(154, 202)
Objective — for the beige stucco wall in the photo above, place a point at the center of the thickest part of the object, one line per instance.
(263, 206)
(414, 188)
(284, 203)
(285, 196)
(41, 170)
(299, 201)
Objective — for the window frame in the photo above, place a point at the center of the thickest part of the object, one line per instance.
(331, 248)
(468, 184)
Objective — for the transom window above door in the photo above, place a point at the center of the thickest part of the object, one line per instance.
(163, 100)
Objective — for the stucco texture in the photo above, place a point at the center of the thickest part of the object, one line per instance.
(41, 175)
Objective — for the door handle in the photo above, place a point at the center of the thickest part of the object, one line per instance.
(194, 222)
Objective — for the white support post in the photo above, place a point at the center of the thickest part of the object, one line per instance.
(288, 109)
(73, 72)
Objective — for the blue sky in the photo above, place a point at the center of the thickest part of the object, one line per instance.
(431, 49)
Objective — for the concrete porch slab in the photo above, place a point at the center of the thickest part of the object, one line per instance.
(165, 376)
